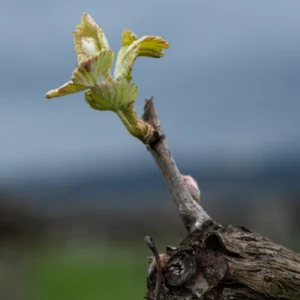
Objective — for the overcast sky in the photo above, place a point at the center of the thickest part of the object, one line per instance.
(228, 84)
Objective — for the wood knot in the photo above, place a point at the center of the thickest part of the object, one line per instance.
(181, 267)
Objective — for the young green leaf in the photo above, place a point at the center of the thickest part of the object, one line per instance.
(88, 38)
(111, 95)
(66, 89)
(88, 72)
(126, 58)
(151, 46)
(128, 37)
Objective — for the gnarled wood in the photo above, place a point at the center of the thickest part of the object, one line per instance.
(217, 262)
(231, 263)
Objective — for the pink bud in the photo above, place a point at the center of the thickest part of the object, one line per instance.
(153, 264)
(192, 187)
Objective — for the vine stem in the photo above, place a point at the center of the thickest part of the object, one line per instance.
(191, 213)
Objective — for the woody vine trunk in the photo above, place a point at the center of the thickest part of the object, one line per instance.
(216, 261)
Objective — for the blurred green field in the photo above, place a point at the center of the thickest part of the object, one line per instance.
(84, 274)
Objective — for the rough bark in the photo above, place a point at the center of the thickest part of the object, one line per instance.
(227, 262)
(216, 261)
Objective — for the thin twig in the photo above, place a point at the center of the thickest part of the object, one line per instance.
(191, 213)
(149, 241)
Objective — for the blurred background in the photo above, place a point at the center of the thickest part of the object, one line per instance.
(78, 194)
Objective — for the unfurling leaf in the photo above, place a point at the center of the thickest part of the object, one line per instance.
(88, 72)
(111, 95)
(66, 89)
(150, 46)
(128, 37)
(125, 61)
(95, 59)
(153, 46)
(88, 38)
